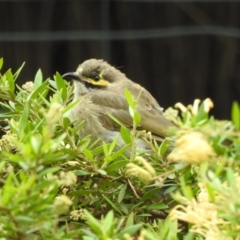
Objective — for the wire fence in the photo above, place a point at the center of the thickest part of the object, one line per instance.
(119, 35)
(137, 1)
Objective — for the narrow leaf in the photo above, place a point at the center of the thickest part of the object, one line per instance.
(157, 206)
(24, 118)
(125, 134)
(116, 165)
(108, 221)
(112, 204)
(137, 118)
(93, 223)
(1, 63)
(130, 230)
(129, 98)
(235, 114)
(40, 90)
(164, 146)
(10, 80)
(130, 220)
(18, 71)
(38, 79)
(61, 85)
(122, 192)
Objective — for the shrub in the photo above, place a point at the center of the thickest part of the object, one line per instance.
(57, 186)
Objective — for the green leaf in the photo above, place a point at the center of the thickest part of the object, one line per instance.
(120, 152)
(61, 85)
(152, 235)
(102, 172)
(80, 193)
(122, 192)
(70, 106)
(47, 171)
(171, 189)
(231, 176)
(187, 191)
(42, 89)
(190, 236)
(130, 220)
(157, 206)
(115, 120)
(202, 116)
(130, 230)
(2, 166)
(112, 205)
(125, 134)
(150, 194)
(235, 115)
(108, 222)
(24, 118)
(129, 98)
(164, 147)
(137, 118)
(116, 165)
(105, 148)
(169, 229)
(88, 154)
(211, 192)
(38, 79)
(113, 144)
(81, 172)
(53, 84)
(35, 144)
(131, 111)
(10, 79)
(95, 225)
(18, 71)
(1, 63)
(83, 143)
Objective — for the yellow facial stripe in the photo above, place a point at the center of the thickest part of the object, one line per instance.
(101, 82)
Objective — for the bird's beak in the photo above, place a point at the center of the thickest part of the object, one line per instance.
(71, 76)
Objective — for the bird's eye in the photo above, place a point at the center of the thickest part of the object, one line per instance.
(96, 78)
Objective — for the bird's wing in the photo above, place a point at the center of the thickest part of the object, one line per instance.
(116, 105)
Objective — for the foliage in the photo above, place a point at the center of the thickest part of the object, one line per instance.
(54, 185)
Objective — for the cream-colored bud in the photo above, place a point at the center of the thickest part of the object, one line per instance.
(7, 142)
(142, 235)
(195, 106)
(68, 178)
(127, 236)
(170, 113)
(77, 215)
(132, 170)
(181, 107)
(28, 86)
(192, 148)
(146, 165)
(65, 190)
(54, 113)
(62, 204)
(208, 104)
(72, 163)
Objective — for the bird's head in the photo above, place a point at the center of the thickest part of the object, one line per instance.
(94, 74)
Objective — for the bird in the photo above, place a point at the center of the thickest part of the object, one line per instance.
(100, 88)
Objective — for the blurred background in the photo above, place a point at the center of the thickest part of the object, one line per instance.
(178, 50)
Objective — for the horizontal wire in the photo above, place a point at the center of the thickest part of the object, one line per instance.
(118, 35)
(145, 1)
